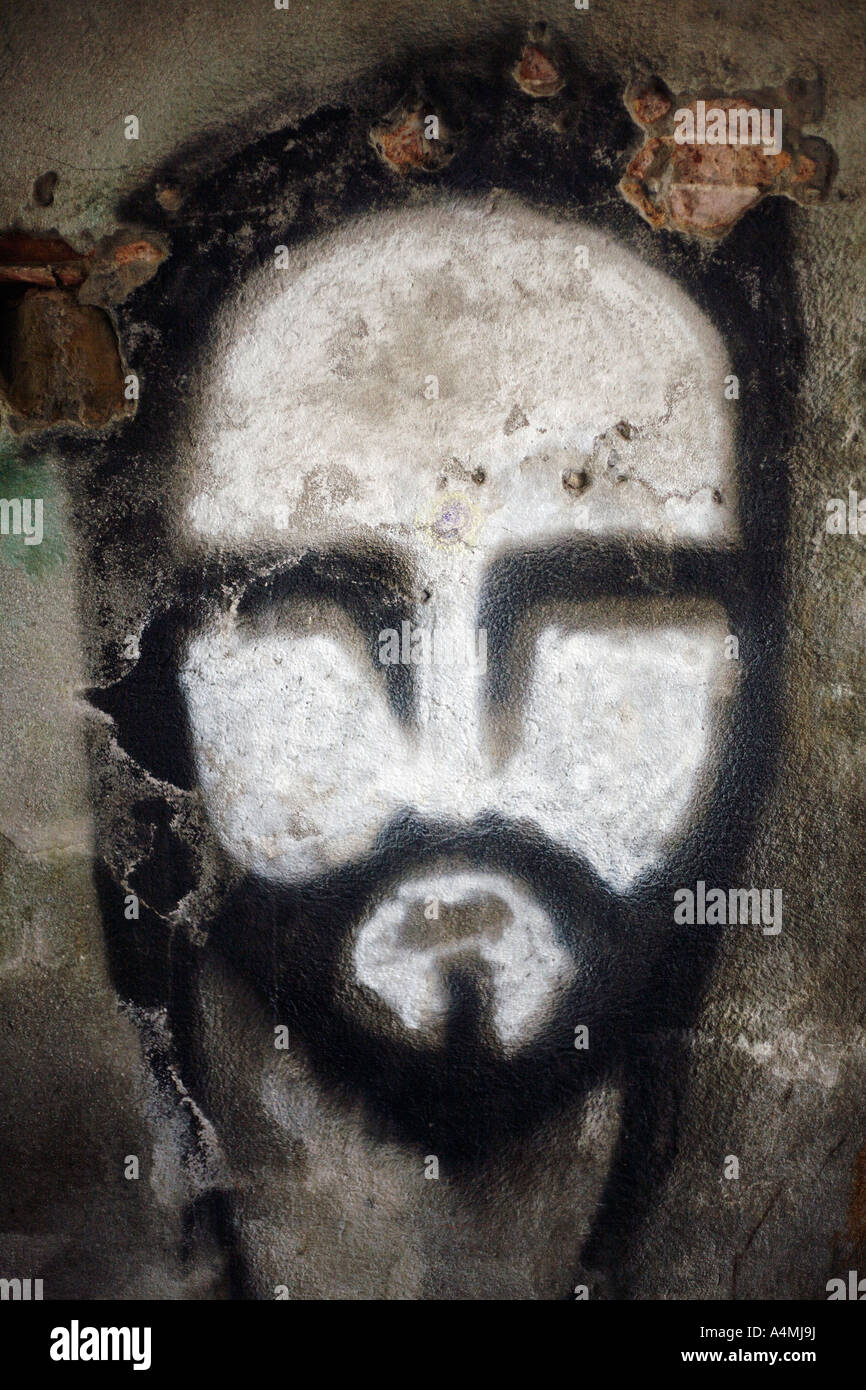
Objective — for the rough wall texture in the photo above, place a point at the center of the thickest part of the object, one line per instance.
(774, 1061)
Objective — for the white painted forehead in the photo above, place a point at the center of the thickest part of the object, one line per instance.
(463, 336)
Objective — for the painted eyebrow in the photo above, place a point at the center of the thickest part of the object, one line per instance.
(362, 580)
(603, 568)
(617, 567)
(374, 585)
(373, 577)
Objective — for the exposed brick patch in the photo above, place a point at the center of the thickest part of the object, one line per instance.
(536, 73)
(121, 263)
(405, 139)
(705, 188)
(61, 363)
(48, 261)
(60, 360)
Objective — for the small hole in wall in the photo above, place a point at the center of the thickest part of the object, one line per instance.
(479, 476)
(618, 468)
(575, 479)
(43, 189)
(169, 196)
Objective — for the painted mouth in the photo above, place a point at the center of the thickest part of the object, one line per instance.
(484, 925)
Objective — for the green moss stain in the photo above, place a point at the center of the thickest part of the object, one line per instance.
(24, 479)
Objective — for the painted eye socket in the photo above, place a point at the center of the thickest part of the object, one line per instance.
(288, 733)
(608, 709)
(299, 616)
(302, 761)
(349, 596)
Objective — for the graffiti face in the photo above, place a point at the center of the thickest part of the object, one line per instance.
(480, 466)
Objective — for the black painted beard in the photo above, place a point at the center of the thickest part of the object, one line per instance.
(460, 1094)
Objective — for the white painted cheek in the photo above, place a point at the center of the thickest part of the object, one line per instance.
(297, 754)
(619, 734)
(302, 763)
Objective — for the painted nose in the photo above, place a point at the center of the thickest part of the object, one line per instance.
(452, 765)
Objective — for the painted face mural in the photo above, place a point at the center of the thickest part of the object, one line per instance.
(437, 676)
(432, 598)
(455, 661)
